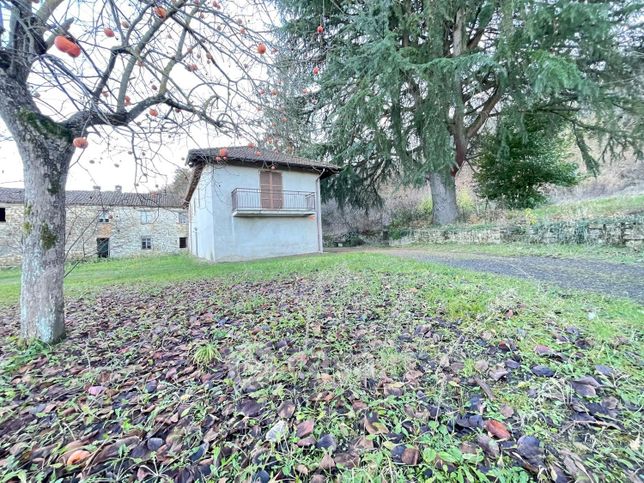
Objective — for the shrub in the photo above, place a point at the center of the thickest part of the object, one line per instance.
(426, 207)
(466, 204)
(521, 158)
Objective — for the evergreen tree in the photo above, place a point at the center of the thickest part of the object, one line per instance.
(522, 157)
(403, 89)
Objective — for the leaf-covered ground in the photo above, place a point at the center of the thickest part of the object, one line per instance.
(359, 368)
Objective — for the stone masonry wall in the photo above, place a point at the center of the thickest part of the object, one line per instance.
(10, 235)
(124, 230)
(617, 232)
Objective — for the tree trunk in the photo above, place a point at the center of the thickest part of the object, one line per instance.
(43, 265)
(443, 186)
(46, 150)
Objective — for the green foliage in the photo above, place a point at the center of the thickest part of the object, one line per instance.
(394, 98)
(206, 354)
(521, 158)
(426, 207)
(466, 203)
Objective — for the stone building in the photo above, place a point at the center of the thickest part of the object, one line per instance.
(103, 224)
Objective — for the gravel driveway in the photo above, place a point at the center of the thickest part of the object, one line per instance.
(608, 278)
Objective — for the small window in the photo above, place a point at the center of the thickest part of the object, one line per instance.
(147, 217)
(104, 217)
(3, 215)
(182, 218)
(146, 243)
(183, 242)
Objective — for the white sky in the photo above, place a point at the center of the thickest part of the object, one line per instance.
(83, 174)
(97, 165)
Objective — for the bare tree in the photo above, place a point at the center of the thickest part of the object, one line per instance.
(140, 70)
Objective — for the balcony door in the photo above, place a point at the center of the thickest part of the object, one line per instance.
(271, 193)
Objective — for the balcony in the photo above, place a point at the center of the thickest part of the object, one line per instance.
(265, 202)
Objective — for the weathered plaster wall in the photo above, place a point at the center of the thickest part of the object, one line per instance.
(124, 231)
(219, 236)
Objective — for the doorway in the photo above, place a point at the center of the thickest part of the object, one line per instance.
(103, 247)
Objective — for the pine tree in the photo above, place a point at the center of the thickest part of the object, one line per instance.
(403, 89)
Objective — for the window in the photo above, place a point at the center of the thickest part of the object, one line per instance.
(182, 217)
(3, 215)
(270, 184)
(104, 217)
(146, 243)
(183, 242)
(147, 217)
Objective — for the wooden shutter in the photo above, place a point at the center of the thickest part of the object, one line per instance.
(278, 200)
(265, 189)
(270, 183)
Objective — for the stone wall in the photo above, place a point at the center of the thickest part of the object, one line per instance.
(124, 229)
(10, 235)
(617, 232)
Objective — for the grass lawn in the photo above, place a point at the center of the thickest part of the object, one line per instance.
(350, 367)
(591, 208)
(584, 252)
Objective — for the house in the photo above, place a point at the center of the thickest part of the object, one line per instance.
(246, 203)
(103, 224)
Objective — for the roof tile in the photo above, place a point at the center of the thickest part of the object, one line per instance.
(102, 198)
(256, 155)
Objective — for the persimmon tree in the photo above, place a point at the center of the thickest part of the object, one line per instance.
(404, 90)
(74, 72)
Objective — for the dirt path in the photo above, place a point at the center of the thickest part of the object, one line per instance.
(596, 276)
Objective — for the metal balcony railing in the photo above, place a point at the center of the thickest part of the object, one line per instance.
(275, 201)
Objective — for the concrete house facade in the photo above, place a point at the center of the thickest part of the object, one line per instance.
(251, 204)
(103, 224)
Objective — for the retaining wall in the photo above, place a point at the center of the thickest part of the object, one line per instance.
(616, 232)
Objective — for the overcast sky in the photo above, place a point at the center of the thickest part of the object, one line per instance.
(103, 172)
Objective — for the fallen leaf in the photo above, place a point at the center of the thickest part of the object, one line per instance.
(77, 457)
(278, 432)
(286, 410)
(95, 390)
(327, 462)
(394, 389)
(499, 374)
(481, 366)
(497, 429)
(410, 456)
(373, 426)
(327, 441)
(488, 445)
(506, 411)
(249, 408)
(304, 442)
(542, 371)
(347, 460)
(305, 428)
(584, 390)
(543, 350)
(302, 469)
(413, 375)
